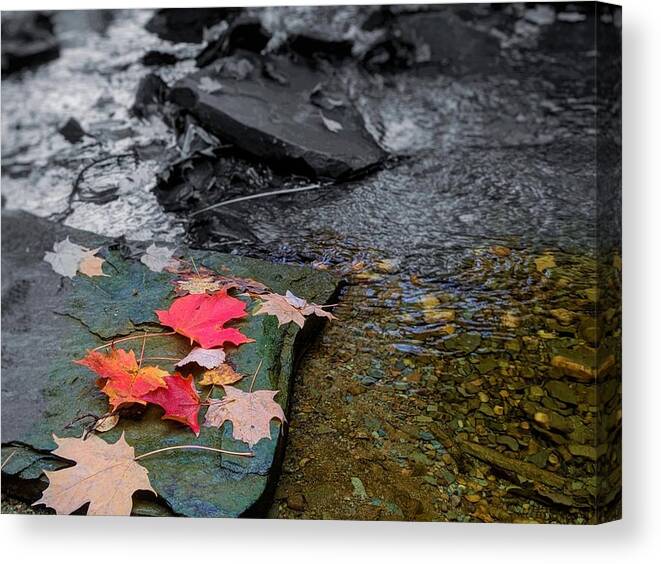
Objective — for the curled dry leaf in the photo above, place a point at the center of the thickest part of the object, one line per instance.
(249, 412)
(221, 376)
(201, 318)
(121, 379)
(179, 399)
(105, 423)
(105, 475)
(157, 258)
(67, 259)
(290, 308)
(207, 358)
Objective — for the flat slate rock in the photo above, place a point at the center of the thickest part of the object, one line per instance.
(49, 321)
(274, 109)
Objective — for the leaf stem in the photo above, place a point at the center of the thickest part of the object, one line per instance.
(132, 337)
(255, 374)
(196, 447)
(261, 195)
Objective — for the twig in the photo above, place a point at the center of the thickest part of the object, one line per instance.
(13, 452)
(142, 350)
(123, 339)
(255, 196)
(197, 447)
(255, 375)
(173, 359)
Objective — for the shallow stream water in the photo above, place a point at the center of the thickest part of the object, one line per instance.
(470, 262)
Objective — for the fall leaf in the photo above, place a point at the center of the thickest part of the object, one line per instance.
(331, 124)
(179, 400)
(220, 376)
(106, 423)
(91, 265)
(67, 258)
(290, 308)
(210, 283)
(122, 379)
(197, 284)
(157, 258)
(201, 318)
(207, 358)
(249, 412)
(105, 475)
(209, 85)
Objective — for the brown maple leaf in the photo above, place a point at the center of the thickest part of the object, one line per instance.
(249, 412)
(220, 376)
(121, 379)
(290, 308)
(105, 475)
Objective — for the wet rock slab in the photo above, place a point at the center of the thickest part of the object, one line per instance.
(27, 40)
(284, 112)
(48, 321)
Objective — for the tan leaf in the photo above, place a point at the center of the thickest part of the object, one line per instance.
(105, 475)
(106, 423)
(249, 412)
(91, 265)
(220, 376)
(290, 308)
(157, 258)
(208, 358)
(197, 285)
(318, 311)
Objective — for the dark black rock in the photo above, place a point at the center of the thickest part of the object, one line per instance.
(151, 94)
(187, 25)
(244, 33)
(27, 40)
(158, 58)
(438, 38)
(72, 131)
(277, 120)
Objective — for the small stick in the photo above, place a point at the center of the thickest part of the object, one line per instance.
(123, 339)
(172, 358)
(255, 375)
(13, 452)
(197, 447)
(254, 196)
(142, 350)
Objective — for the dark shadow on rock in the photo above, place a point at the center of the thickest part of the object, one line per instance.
(27, 40)
(187, 25)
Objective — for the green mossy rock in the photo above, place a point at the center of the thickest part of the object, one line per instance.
(49, 321)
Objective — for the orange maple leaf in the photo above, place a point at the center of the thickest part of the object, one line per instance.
(121, 379)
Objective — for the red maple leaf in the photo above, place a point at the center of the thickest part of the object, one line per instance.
(121, 379)
(201, 318)
(179, 400)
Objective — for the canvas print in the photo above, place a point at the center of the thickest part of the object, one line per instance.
(348, 262)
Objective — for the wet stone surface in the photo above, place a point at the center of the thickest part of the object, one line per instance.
(48, 322)
(289, 114)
